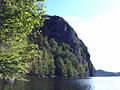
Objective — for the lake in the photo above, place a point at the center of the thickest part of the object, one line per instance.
(90, 83)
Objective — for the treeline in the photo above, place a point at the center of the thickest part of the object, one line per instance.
(56, 59)
(23, 48)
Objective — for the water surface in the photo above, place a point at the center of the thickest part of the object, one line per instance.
(91, 83)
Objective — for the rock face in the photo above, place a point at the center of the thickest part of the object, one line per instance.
(57, 28)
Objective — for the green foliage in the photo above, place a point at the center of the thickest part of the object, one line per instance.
(17, 20)
(69, 67)
(56, 59)
(44, 65)
(60, 67)
(47, 64)
(53, 47)
(64, 61)
(23, 48)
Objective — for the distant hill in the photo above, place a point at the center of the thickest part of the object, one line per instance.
(105, 73)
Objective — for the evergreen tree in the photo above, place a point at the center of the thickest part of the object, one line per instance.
(60, 67)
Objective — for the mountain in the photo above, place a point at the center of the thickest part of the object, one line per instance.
(59, 41)
(105, 73)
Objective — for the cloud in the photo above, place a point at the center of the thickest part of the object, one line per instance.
(71, 18)
(102, 36)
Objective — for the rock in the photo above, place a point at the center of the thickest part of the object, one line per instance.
(57, 28)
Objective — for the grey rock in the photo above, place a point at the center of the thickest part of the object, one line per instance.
(56, 27)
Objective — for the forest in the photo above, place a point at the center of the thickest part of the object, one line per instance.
(25, 50)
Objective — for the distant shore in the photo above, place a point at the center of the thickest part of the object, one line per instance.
(106, 73)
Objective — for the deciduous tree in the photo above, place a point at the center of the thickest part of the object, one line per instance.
(17, 20)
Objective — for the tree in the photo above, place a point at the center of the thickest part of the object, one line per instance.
(60, 67)
(17, 20)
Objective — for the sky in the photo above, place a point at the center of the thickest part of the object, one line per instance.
(97, 23)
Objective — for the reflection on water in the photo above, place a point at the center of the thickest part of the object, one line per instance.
(93, 83)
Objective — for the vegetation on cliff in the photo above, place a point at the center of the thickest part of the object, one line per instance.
(63, 52)
(28, 48)
(58, 60)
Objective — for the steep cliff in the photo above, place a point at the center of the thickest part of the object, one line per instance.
(62, 52)
(58, 29)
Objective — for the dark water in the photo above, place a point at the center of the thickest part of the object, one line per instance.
(92, 83)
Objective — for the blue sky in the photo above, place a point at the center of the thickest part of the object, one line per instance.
(81, 8)
(97, 23)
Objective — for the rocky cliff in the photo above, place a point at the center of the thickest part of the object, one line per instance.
(58, 29)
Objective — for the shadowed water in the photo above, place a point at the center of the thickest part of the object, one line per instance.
(92, 83)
